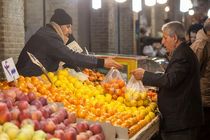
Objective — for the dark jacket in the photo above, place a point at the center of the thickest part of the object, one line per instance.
(179, 97)
(47, 46)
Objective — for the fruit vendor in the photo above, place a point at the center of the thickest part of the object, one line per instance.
(48, 45)
(179, 97)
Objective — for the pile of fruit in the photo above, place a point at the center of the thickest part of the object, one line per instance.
(91, 102)
(115, 87)
(28, 117)
(93, 76)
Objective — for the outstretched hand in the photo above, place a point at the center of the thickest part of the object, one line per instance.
(138, 73)
(109, 63)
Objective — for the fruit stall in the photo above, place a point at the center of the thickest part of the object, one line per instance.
(75, 105)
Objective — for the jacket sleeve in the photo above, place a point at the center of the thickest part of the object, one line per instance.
(174, 75)
(61, 52)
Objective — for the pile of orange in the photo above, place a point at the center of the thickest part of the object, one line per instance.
(115, 87)
(94, 76)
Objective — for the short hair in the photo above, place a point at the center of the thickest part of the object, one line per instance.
(175, 28)
(194, 28)
(207, 25)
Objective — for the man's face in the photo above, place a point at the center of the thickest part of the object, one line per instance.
(168, 42)
(66, 29)
(192, 37)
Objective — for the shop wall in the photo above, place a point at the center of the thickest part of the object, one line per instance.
(11, 29)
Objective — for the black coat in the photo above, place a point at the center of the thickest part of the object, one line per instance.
(47, 46)
(179, 97)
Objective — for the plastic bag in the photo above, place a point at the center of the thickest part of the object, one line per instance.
(134, 89)
(114, 84)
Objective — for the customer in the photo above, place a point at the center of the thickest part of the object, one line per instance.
(201, 47)
(48, 46)
(179, 98)
(192, 31)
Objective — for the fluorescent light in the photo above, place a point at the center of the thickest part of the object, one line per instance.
(191, 12)
(150, 2)
(162, 1)
(208, 13)
(120, 1)
(185, 5)
(96, 4)
(167, 9)
(137, 5)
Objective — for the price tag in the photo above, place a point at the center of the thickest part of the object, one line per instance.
(10, 70)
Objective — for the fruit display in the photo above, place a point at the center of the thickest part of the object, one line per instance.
(93, 76)
(86, 101)
(115, 87)
(28, 117)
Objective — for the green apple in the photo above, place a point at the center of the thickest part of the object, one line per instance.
(28, 130)
(12, 132)
(8, 125)
(3, 136)
(55, 139)
(39, 135)
(1, 128)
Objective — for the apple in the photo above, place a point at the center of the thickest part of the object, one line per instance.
(37, 125)
(69, 128)
(5, 117)
(49, 126)
(22, 105)
(31, 96)
(39, 135)
(45, 111)
(82, 137)
(37, 103)
(22, 97)
(96, 128)
(24, 114)
(60, 126)
(8, 125)
(53, 107)
(28, 129)
(3, 107)
(14, 113)
(81, 127)
(43, 101)
(27, 122)
(16, 122)
(72, 117)
(59, 134)
(12, 132)
(36, 115)
(90, 133)
(4, 136)
(49, 136)
(70, 135)
(9, 93)
(9, 103)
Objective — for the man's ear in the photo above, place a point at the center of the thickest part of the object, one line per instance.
(175, 38)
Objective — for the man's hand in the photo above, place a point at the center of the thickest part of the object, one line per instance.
(109, 63)
(138, 73)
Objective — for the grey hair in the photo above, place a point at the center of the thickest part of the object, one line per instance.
(174, 28)
(207, 25)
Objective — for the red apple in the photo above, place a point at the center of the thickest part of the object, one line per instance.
(36, 115)
(9, 93)
(90, 133)
(70, 135)
(49, 126)
(60, 126)
(82, 137)
(69, 128)
(21, 97)
(81, 127)
(96, 128)
(37, 103)
(24, 114)
(43, 101)
(5, 117)
(22, 105)
(59, 134)
(37, 125)
(3, 107)
(15, 113)
(31, 96)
